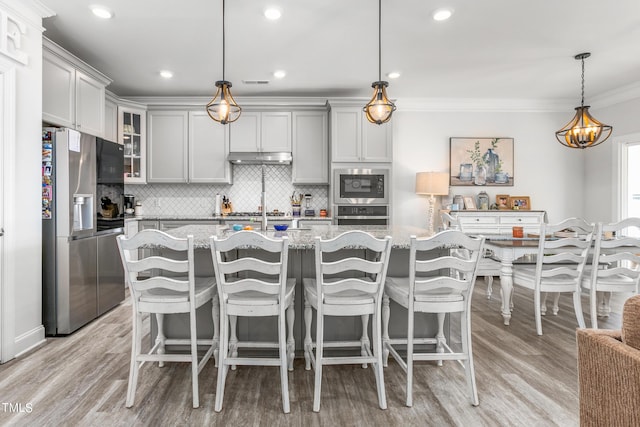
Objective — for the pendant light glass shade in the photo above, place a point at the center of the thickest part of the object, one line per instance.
(223, 108)
(583, 131)
(380, 108)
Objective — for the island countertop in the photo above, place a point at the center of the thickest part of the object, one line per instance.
(302, 238)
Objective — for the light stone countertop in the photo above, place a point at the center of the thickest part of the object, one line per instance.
(302, 238)
(176, 217)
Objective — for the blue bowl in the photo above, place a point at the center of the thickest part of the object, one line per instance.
(280, 227)
(237, 227)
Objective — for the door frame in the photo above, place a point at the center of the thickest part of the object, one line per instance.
(7, 136)
(621, 144)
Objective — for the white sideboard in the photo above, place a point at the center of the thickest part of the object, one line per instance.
(499, 221)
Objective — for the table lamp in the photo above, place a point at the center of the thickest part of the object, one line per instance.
(432, 184)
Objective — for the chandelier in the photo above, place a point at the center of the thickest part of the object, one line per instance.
(583, 131)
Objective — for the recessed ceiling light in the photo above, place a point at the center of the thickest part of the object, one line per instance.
(166, 74)
(272, 13)
(101, 12)
(442, 14)
(279, 74)
(393, 75)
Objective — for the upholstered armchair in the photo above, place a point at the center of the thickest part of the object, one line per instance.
(609, 371)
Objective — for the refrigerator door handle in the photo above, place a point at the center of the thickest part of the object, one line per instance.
(1, 232)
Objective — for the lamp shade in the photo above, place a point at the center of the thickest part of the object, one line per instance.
(432, 183)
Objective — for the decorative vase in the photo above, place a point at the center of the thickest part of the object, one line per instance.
(492, 160)
(483, 201)
(466, 172)
(502, 177)
(480, 177)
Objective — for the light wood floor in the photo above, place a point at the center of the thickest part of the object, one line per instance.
(522, 379)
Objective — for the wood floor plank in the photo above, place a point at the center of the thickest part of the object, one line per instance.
(523, 379)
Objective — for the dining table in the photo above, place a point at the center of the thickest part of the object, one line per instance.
(508, 249)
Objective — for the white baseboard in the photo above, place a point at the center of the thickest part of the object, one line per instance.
(29, 340)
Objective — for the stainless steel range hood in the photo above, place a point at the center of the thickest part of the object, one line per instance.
(242, 158)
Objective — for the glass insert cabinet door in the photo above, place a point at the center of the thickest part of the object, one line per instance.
(132, 134)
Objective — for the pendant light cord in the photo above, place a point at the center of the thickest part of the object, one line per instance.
(223, 41)
(379, 40)
(582, 93)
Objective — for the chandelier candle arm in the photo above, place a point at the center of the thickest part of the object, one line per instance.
(583, 131)
(379, 109)
(223, 108)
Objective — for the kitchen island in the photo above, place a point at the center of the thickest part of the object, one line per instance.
(301, 264)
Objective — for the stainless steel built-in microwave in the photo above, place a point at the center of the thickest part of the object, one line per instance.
(361, 186)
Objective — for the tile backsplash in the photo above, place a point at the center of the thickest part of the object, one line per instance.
(244, 194)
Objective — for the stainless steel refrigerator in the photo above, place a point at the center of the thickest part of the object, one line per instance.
(82, 274)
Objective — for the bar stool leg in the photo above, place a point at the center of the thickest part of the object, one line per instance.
(365, 344)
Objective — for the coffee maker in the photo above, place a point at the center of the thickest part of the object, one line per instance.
(129, 203)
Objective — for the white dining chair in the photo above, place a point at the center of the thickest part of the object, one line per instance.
(347, 284)
(563, 250)
(251, 273)
(440, 285)
(488, 267)
(615, 266)
(169, 287)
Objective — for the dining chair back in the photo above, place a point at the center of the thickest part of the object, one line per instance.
(168, 287)
(615, 266)
(251, 273)
(563, 249)
(349, 283)
(488, 267)
(442, 284)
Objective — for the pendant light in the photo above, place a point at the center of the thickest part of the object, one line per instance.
(223, 108)
(583, 131)
(380, 108)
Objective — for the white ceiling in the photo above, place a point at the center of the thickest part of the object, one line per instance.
(512, 49)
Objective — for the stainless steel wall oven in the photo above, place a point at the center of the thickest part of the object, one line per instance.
(361, 186)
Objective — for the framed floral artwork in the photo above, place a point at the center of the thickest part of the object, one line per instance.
(481, 162)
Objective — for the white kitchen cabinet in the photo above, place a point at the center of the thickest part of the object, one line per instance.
(132, 133)
(208, 150)
(354, 139)
(90, 98)
(499, 222)
(111, 121)
(167, 146)
(310, 148)
(73, 93)
(255, 131)
(130, 230)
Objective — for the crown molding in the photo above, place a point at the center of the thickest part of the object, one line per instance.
(25, 10)
(201, 101)
(616, 96)
(67, 56)
(42, 10)
(482, 105)
(122, 102)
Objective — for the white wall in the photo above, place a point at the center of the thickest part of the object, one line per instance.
(548, 172)
(22, 194)
(601, 162)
